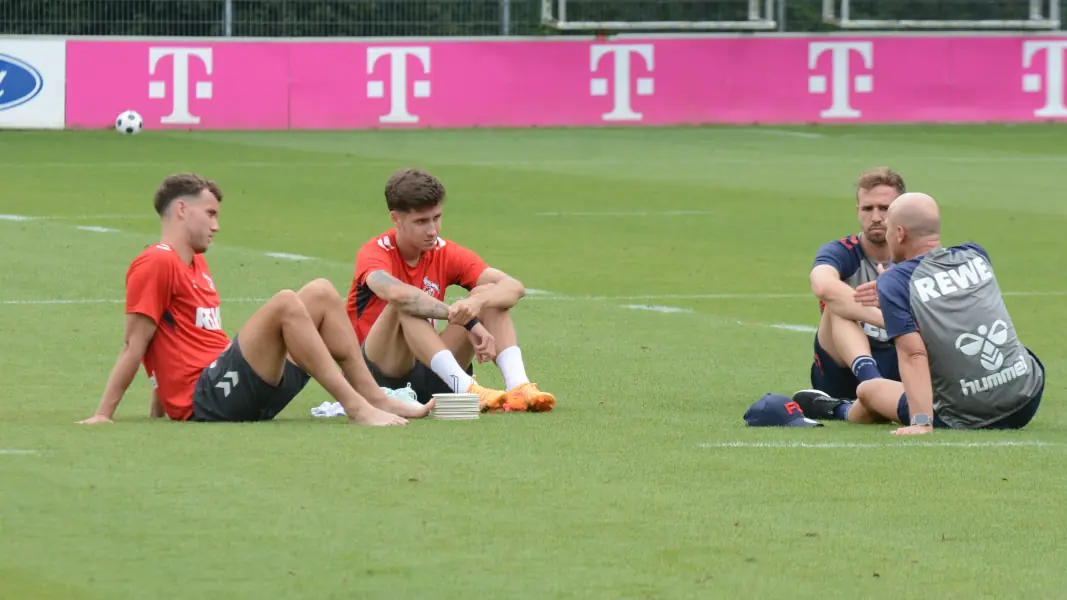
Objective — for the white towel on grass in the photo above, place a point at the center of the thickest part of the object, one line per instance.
(334, 409)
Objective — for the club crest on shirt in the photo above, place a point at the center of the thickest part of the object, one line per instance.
(430, 287)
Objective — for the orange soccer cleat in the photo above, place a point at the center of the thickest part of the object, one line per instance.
(527, 397)
(491, 400)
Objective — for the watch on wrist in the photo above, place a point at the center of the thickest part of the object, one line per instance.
(921, 419)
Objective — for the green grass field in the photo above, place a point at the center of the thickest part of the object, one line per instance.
(631, 487)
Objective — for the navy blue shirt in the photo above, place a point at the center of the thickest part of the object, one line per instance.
(855, 268)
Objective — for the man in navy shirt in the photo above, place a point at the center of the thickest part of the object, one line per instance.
(962, 364)
(851, 345)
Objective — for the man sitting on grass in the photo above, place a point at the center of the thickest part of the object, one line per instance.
(962, 365)
(174, 328)
(399, 289)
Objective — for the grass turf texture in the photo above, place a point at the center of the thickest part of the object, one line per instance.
(611, 495)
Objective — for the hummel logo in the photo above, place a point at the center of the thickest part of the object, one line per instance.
(225, 386)
(986, 343)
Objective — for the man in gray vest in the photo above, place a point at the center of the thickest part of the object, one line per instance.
(962, 365)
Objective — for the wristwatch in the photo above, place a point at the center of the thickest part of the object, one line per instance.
(921, 420)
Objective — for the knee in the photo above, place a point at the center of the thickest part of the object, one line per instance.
(407, 321)
(320, 290)
(287, 303)
(285, 298)
(481, 289)
(834, 320)
(863, 391)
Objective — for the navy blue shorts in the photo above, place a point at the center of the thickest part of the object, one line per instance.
(1016, 420)
(839, 382)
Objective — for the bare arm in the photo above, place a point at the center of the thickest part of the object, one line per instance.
(915, 374)
(155, 410)
(408, 299)
(139, 332)
(827, 286)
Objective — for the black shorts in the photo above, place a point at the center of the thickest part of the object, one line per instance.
(423, 380)
(229, 390)
(839, 382)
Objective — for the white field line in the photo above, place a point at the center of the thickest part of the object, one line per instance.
(788, 327)
(902, 444)
(16, 451)
(96, 229)
(287, 256)
(659, 309)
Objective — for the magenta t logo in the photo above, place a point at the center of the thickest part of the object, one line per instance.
(1053, 79)
(398, 80)
(179, 90)
(842, 84)
(622, 109)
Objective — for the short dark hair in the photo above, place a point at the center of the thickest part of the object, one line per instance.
(880, 176)
(180, 185)
(413, 189)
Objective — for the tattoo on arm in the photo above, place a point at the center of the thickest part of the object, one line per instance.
(383, 279)
(420, 304)
(408, 298)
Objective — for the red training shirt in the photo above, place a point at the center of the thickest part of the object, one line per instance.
(447, 264)
(182, 301)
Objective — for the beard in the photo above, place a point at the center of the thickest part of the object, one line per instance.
(877, 237)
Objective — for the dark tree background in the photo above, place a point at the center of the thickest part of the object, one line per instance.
(366, 18)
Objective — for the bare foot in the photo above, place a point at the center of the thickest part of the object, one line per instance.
(376, 418)
(407, 409)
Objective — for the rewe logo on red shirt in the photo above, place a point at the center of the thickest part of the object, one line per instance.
(209, 319)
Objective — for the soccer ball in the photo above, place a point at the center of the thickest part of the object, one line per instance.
(129, 123)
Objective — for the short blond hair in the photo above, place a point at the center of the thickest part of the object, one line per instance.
(880, 176)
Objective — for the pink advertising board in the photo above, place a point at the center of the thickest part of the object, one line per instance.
(769, 80)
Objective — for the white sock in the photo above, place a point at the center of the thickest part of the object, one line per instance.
(444, 364)
(510, 362)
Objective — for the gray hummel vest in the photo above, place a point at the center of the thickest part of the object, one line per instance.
(981, 372)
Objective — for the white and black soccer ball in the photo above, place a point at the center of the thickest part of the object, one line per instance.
(129, 123)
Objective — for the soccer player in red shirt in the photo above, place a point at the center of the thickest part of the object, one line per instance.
(399, 287)
(173, 327)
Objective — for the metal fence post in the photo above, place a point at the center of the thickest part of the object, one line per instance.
(505, 17)
(227, 17)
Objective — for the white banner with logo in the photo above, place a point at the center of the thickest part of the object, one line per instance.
(33, 84)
